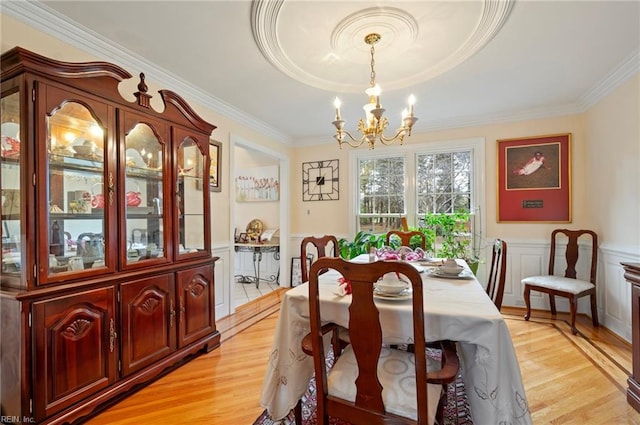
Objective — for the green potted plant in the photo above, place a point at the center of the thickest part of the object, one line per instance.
(453, 233)
(361, 244)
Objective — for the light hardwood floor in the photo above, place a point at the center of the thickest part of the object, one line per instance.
(568, 379)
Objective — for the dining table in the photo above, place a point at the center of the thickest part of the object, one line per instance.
(456, 308)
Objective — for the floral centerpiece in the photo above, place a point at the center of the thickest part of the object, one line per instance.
(403, 253)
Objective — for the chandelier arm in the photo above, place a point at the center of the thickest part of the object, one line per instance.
(356, 143)
(399, 135)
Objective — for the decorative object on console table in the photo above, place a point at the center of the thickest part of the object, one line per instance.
(254, 230)
(632, 274)
(320, 180)
(534, 179)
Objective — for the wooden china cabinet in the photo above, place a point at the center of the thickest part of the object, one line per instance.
(632, 275)
(107, 276)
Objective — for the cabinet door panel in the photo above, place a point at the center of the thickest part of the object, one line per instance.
(145, 193)
(148, 321)
(192, 229)
(195, 292)
(75, 172)
(75, 348)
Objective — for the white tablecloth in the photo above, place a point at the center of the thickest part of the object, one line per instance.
(458, 310)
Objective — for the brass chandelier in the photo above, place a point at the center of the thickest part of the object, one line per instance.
(373, 127)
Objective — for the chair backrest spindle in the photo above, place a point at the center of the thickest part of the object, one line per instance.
(497, 272)
(405, 238)
(573, 252)
(323, 246)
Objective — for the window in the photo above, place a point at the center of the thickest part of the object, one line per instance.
(382, 193)
(409, 181)
(443, 182)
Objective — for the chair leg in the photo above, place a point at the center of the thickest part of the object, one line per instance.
(573, 304)
(297, 411)
(442, 404)
(594, 311)
(552, 303)
(527, 301)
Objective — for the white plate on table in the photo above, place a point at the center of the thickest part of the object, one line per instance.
(404, 295)
(417, 266)
(464, 274)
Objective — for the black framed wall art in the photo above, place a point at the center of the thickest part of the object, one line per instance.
(320, 180)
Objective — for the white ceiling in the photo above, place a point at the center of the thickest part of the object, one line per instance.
(277, 65)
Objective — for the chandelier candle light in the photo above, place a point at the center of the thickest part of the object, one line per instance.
(373, 127)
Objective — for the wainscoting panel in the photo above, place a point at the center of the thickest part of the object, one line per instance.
(614, 291)
(223, 281)
(524, 259)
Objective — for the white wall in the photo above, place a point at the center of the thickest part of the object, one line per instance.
(267, 212)
(612, 130)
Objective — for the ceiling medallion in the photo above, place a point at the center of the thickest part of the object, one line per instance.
(428, 38)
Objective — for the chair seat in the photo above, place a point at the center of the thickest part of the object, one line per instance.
(396, 372)
(558, 283)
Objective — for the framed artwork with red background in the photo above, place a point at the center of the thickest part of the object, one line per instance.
(534, 179)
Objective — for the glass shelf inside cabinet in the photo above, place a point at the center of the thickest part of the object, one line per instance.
(144, 195)
(190, 198)
(76, 190)
(11, 229)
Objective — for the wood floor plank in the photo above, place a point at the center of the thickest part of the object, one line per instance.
(568, 379)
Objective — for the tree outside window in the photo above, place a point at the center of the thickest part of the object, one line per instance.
(382, 194)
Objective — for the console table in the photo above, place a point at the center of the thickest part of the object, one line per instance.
(632, 275)
(258, 249)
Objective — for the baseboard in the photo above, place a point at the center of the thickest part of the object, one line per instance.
(250, 313)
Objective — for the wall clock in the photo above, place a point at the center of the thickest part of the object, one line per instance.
(320, 180)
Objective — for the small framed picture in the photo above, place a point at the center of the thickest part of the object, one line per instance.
(296, 271)
(534, 179)
(215, 154)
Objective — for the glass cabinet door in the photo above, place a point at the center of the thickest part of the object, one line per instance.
(78, 195)
(10, 171)
(143, 197)
(190, 197)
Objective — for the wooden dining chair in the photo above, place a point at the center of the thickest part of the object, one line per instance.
(497, 272)
(405, 238)
(568, 286)
(325, 245)
(352, 390)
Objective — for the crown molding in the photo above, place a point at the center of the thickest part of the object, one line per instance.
(627, 68)
(41, 17)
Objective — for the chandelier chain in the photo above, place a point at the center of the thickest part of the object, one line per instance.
(373, 72)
